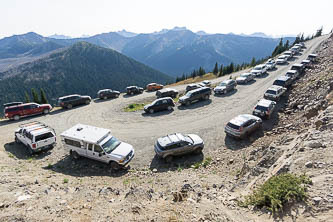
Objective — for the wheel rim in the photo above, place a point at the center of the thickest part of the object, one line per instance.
(46, 111)
(16, 117)
(169, 108)
(69, 106)
(187, 103)
(87, 102)
(105, 97)
(151, 111)
(75, 155)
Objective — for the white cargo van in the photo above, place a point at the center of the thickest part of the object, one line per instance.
(98, 144)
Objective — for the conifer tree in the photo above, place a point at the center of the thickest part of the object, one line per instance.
(216, 69)
(221, 71)
(253, 62)
(43, 99)
(34, 96)
(26, 97)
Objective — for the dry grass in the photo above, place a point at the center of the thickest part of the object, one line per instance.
(207, 76)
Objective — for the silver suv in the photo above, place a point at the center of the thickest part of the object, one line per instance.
(178, 144)
(225, 86)
(243, 125)
(264, 108)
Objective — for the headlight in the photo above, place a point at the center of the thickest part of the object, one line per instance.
(122, 160)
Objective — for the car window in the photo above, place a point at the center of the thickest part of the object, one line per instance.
(231, 125)
(261, 108)
(172, 146)
(165, 101)
(271, 92)
(90, 147)
(43, 136)
(26, 107)
(73, 143)
(98, 149)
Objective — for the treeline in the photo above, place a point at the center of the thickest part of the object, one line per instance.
(41, 99)
(225, 70)
(221, 70)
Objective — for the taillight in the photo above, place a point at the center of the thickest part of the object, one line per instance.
(240, 129)
(61, 104)
(34, 145)
(267, 112)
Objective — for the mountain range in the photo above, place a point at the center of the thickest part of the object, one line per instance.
(173, 52)
(82, 68)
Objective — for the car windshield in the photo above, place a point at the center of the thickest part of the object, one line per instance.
(244, 75)
(278, 83)
(188, 94)
(222, 84)
(111, 144)
(261, 108)
(231, 125)
(257, 68)
(271, 92)
(188, 139)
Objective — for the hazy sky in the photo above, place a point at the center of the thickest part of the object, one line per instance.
(89, 17)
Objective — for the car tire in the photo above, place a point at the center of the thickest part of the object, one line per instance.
(187, 103)
(87, 102)
(116, 96)
(16, 117)
(168, 159)
(105, 97)
(206, 97)
(46, 111)
(31, 152)
(198, 150)
(132, 93)
(169, 108)
(151, 111)
(69, 106)
(224, 91)
(114, 165)
(74, 155)
(17, 140)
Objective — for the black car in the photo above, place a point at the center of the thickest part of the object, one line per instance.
(107, 93)
(73, 100)
(166, 103)
(167, 92)
(193, 86)
(131, 90)
(195, 95)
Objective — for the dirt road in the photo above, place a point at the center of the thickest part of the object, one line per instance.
(206, 118)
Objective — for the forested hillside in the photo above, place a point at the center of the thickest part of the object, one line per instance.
(83, 68)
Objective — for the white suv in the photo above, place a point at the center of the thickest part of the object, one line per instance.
(98, 144)
(259, 70)
(36, 136)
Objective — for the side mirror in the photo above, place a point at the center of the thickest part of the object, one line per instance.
(101, 154)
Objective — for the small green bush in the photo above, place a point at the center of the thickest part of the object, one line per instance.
(66, 180)
(134, 107)
(277, 191)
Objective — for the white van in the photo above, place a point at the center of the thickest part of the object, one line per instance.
(98, 144)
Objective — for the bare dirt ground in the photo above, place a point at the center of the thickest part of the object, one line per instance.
(52, 187)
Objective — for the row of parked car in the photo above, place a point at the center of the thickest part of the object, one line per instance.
(17, 110)
(99, 144)
(243, 125)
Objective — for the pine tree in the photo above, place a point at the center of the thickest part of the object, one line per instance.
(221, 71)
(253, 62)
(201, 71)
(43, 99)
(34, 96)
(216, 69)
(319, 32)
(26, 97)
(286, 45)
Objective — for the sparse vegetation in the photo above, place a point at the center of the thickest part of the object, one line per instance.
(203, 163)
(277, 191)
(134, 107)
(66, 180)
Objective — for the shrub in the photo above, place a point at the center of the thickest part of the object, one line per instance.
(277, 191)
(66, 180)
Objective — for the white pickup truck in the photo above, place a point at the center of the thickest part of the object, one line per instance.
(36, 136)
